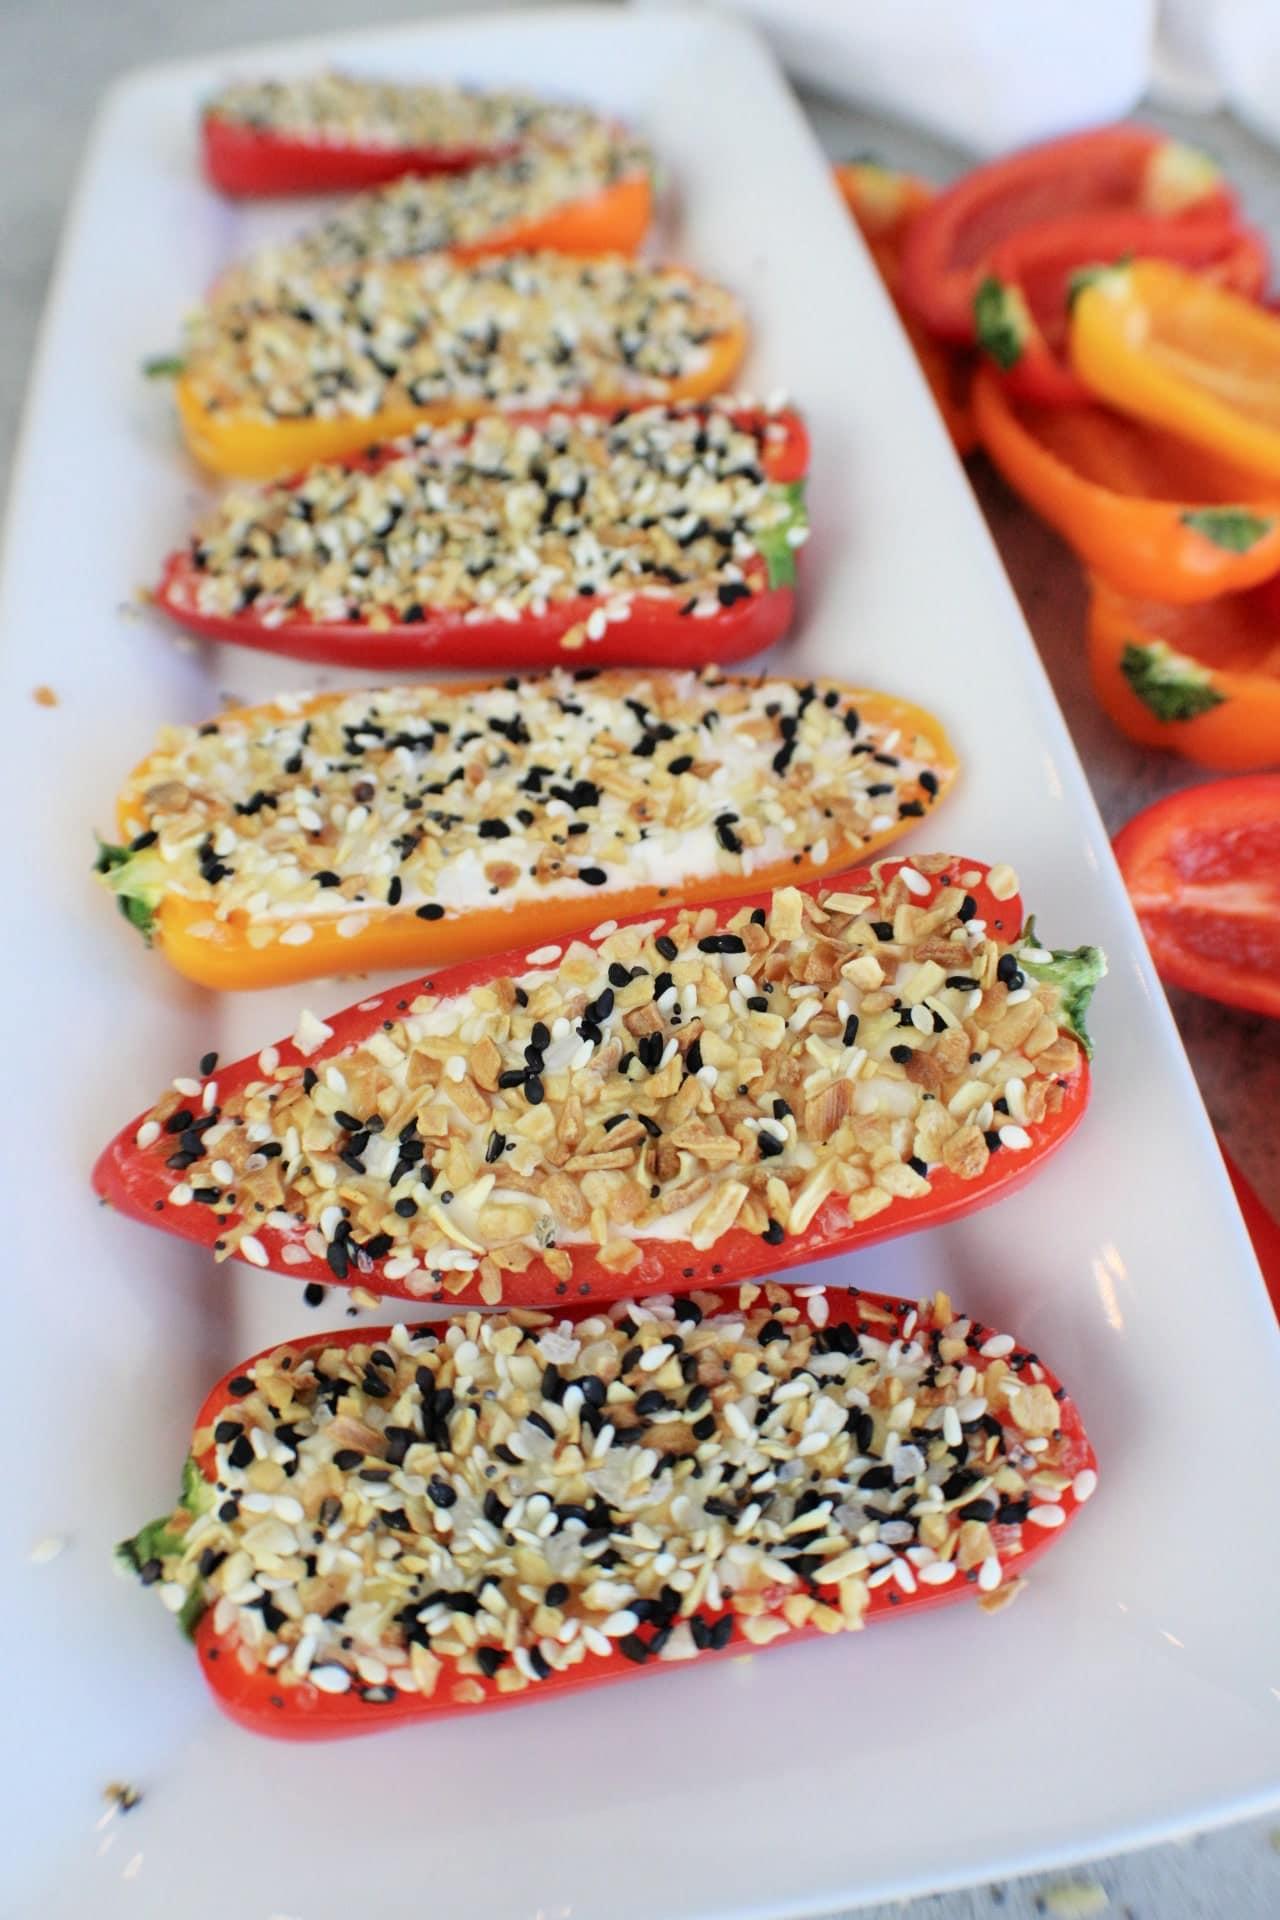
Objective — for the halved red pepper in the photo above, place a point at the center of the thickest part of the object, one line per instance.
(455, 637)
(949, 247)
(249, 162)
(1023, 303)
(141, 1180)
(258, 1700)
(1203, 871)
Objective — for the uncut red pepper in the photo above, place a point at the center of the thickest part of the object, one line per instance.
(948, 249)
(435, 500)
(603, 1118)
(383, 1442)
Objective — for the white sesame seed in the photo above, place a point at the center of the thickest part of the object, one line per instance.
(1085, 1484)
(252, 1250)
(1046, 1516)
(330, 1679)
(997, 1346)
(914, 882)
(148, 1133)
(1016, 1137)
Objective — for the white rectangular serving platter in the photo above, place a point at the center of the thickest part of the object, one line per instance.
(1133, 1691)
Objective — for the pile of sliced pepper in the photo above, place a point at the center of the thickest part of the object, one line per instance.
(1130, 394)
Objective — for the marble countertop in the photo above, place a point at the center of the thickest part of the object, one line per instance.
(54, 63)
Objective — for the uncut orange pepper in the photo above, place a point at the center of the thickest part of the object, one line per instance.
(884, 203)
(1169, 348)
(1201, 681)
(1154, 515)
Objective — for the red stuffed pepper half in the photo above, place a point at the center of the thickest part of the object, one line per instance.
(399, 1523)
(736, 1089)
(665, 534)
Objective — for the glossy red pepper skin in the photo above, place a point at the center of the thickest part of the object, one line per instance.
(948, 248)
(1202, 867)
(1039, 264)
(654, 632)
(248, 163)
(256, 1700)
(136, 1181)
(1262, 1227)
